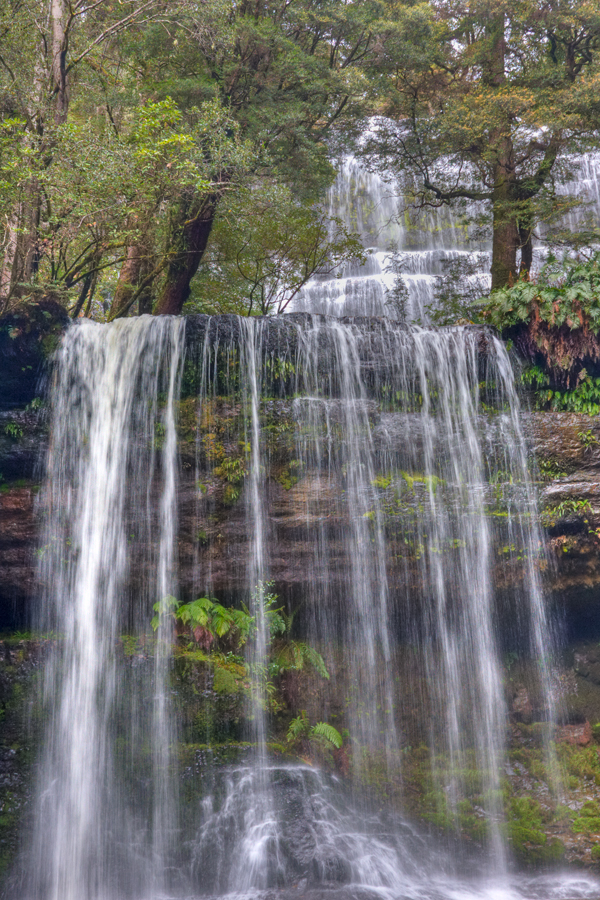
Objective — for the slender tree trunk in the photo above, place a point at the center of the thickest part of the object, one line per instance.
(189, 233)
(129, 278)
(8, 263)
(145, 298)
(505, 240)
(59, 60)
(526, 242)
(32, 208)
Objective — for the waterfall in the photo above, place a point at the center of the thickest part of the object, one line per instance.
(395, 459)
(427, 242)
(111, 481)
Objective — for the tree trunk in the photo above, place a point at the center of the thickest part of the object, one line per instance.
(59, 59)
(505, 239)
(505, 243)
(10, 252)
(129, 278)
(526, 242)
(189, 233)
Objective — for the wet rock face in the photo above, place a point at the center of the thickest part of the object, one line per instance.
(20, 660)
(304, 507)
(28, 336)
(18, 535)
(575, 735)
(521, 709)
(567, 449)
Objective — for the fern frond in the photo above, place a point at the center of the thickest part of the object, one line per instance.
(298, 728)
(315, 659)
(331, 734)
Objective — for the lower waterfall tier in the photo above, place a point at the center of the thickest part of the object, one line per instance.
(298, 539)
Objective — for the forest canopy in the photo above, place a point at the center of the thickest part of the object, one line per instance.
(168, 155)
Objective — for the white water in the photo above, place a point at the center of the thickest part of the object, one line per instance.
(110, 438)
(390, 425)
(318, 847)
(427, 240)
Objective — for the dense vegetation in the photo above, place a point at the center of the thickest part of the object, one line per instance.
(157, 153)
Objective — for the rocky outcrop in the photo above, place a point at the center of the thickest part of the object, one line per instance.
(28, 336)
(304, 505)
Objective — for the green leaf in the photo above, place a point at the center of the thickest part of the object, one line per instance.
(331, 734)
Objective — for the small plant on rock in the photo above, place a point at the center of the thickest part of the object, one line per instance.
(318, 740)
(207, 622)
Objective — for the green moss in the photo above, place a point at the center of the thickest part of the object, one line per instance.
(382, 481)
(224, 681)
(581, 763)
(588, 819)
(289, 475)
(586, 825)
(524, 831)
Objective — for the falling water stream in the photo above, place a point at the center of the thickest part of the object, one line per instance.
(111, 471)
(411, 496)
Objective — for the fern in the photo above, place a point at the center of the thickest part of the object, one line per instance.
(311, 656)
(298, 728)
(295, 655)
(329, 733)
(166, 607)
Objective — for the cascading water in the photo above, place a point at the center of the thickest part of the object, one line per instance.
(379, 211)
(412, 499)
(428, 241)
(110, 480)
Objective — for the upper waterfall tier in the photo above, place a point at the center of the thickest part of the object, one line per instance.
(428, 243)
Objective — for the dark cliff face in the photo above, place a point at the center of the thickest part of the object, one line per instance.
(304, 509)
(23, 441)
(28, 336)
(303, 506)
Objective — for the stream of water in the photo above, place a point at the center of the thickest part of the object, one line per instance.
(411, 497)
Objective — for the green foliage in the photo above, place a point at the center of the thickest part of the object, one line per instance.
(565, 508)
(214, 627)
(457, 297)
(555, 320)
(301, 732)
(524, 829)
(328, 733)
(209, 622)
(13, 430)
(588, 439)
(469, 85)
(294, 656)
(233, 469)
(265, 246)
(164, 609)
(396, 297)
(564, 293)
(585, 398)
(206, 620)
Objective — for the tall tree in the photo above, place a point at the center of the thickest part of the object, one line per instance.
(488, 100)
(290, 73)
(43, 46)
